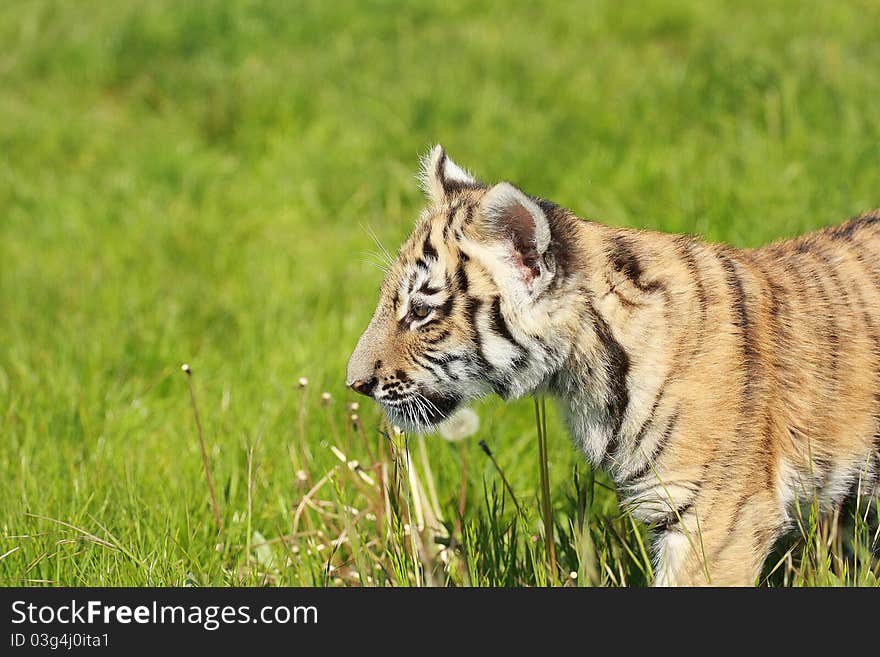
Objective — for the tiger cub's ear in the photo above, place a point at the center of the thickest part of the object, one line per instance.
(510, 216)
(441, 176)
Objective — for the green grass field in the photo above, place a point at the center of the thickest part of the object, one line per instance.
(198, 182)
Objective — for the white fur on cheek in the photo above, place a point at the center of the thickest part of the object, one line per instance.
(500, 353)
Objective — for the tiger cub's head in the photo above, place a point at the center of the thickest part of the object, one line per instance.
(468, 307)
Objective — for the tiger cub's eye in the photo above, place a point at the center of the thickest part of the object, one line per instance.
(420, 310)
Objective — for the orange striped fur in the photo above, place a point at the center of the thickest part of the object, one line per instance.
(717, 386)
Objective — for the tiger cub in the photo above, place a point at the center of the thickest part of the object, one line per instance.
(717, 386)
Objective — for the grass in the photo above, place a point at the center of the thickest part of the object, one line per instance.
(197, 182)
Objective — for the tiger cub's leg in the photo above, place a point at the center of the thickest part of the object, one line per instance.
(727, 547)
(677, 559)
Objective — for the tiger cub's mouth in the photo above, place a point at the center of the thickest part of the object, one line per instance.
(420, 411)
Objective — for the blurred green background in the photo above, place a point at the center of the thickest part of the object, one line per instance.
(197, 182)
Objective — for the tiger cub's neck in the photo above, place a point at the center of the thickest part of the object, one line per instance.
(619, 286)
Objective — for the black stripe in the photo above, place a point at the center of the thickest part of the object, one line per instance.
(623, 258)
(656, 451)
(640, 436)
(428, 249)
(742, 321)
(499, 325)
(444, 362)
(461, 278)
(441, 360)
(455, 185)
(750, 358)
(446, 307)
(777, 302)
(616, 368)
(471, 308)
(450, 217)
(674, 517)
(687, 253)
(429, 289)
(436, 370)
(846, 231)
(438, 171)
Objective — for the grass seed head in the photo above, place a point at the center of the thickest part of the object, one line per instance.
(460, 425)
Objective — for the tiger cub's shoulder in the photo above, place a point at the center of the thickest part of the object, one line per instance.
(861, 230)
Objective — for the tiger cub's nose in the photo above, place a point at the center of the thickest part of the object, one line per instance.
(364, 387)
